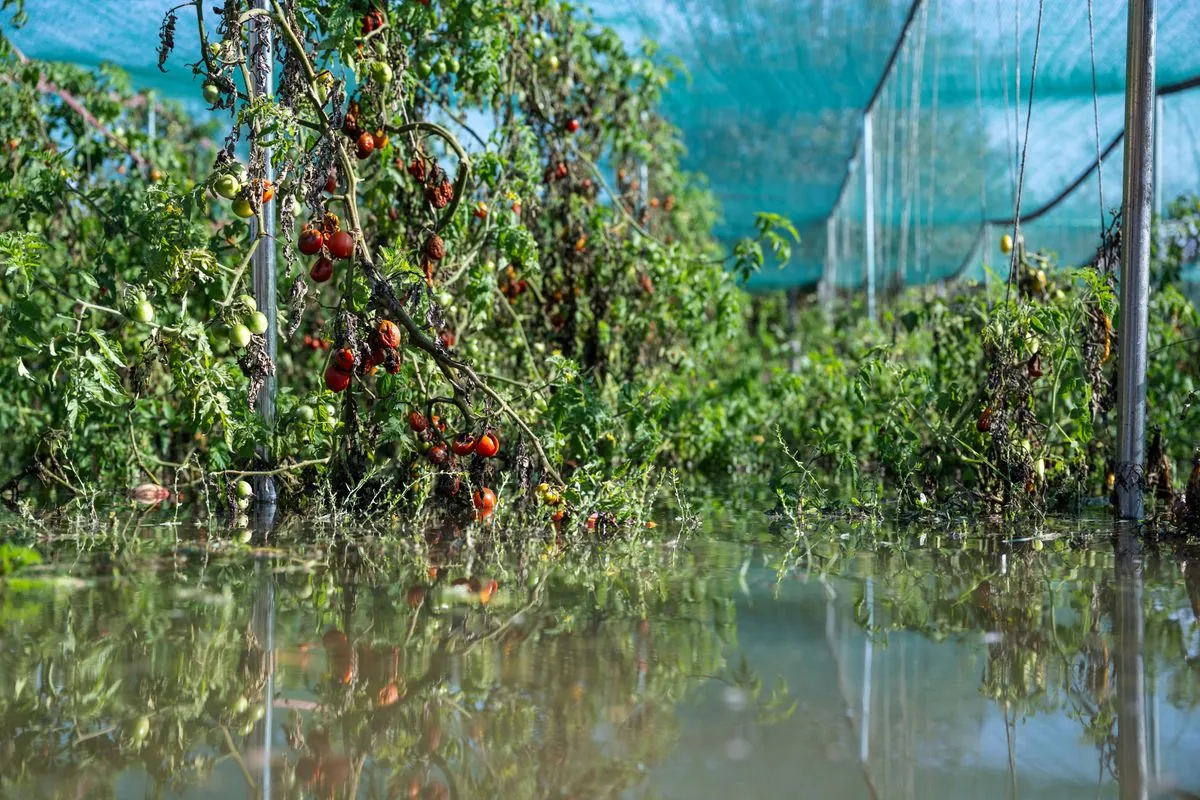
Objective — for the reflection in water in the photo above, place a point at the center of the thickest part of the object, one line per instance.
(858, 669)
(1129, 626)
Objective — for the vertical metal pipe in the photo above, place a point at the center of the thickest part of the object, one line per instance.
(868, 139)
(864, 734)
(1129, 626)
(1135, 263)
(263, 265)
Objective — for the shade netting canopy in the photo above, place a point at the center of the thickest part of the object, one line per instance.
(774, 98)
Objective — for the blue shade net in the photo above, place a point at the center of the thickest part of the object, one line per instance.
(772, 104)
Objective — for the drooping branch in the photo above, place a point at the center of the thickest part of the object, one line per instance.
(45, 86)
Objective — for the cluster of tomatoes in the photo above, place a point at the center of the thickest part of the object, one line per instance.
(327, 240)
(232, 188)
(251, 321)
(429, 433)
(384, 344)
(365, 142)
(439, 191)
(316, 342)
(512, 287)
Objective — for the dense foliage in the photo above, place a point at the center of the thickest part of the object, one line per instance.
(498, 290)
(537, 285)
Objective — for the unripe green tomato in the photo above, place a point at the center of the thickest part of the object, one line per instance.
(239, 336)
(424, 70)
(322, 93)
(248, 303)
(440, 67)
(244, 489)
(243, 503)
(331, 410)
(142, 311)
(227, 186)
(305, 414)
(452, 65)
(242, 207)
(212, 93)
(142, 728)
(381, 72)
(241, 705)
(553, 63)
(258, 323)
(245, 536)
(258, 713)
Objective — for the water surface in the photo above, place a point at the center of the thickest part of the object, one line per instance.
(852, 662)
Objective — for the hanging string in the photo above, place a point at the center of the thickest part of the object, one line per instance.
(928, 238)
(1037, 42)
(1009, 135)
(1096, 115)
(983, 205)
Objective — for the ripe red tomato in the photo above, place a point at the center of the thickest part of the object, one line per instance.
(311, 240)
(484, 499)
(344, 359)
(416, 421)
(572, 125)
(365, 145)
(463, 444)
(322, 270)
(341, 245)
(438, 454)
(336, 379)
(268, 192)
(487, 446)
(389, 334)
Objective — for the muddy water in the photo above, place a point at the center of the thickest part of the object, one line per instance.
(850, 663)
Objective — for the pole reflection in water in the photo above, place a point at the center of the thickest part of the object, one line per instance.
(1129, 632)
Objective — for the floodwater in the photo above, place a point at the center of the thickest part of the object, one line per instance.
(848, 663)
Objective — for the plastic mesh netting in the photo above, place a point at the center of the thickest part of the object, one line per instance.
(772, 113)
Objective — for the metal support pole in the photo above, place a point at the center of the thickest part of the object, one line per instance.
(263, 265)
(1129, 626)
(869, 201)
(1135, 263)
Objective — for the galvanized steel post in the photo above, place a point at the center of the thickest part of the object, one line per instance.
(868, 153)
(263, 264)
(1135, 262)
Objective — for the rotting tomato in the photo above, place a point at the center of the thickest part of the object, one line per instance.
(341, 245)
(345, 359)
(311, 241)
(365, 145)
(322, 270)
(336, 379)
(463, 444)
(389, 333)
(484, 499)
(438, 454)
(487, 446)
(417, 421)
(984, 423)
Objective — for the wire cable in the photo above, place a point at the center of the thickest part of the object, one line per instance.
(1037, 43)
(1096, 114)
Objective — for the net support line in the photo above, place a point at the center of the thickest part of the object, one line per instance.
(1135, 264)
(868, 153)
